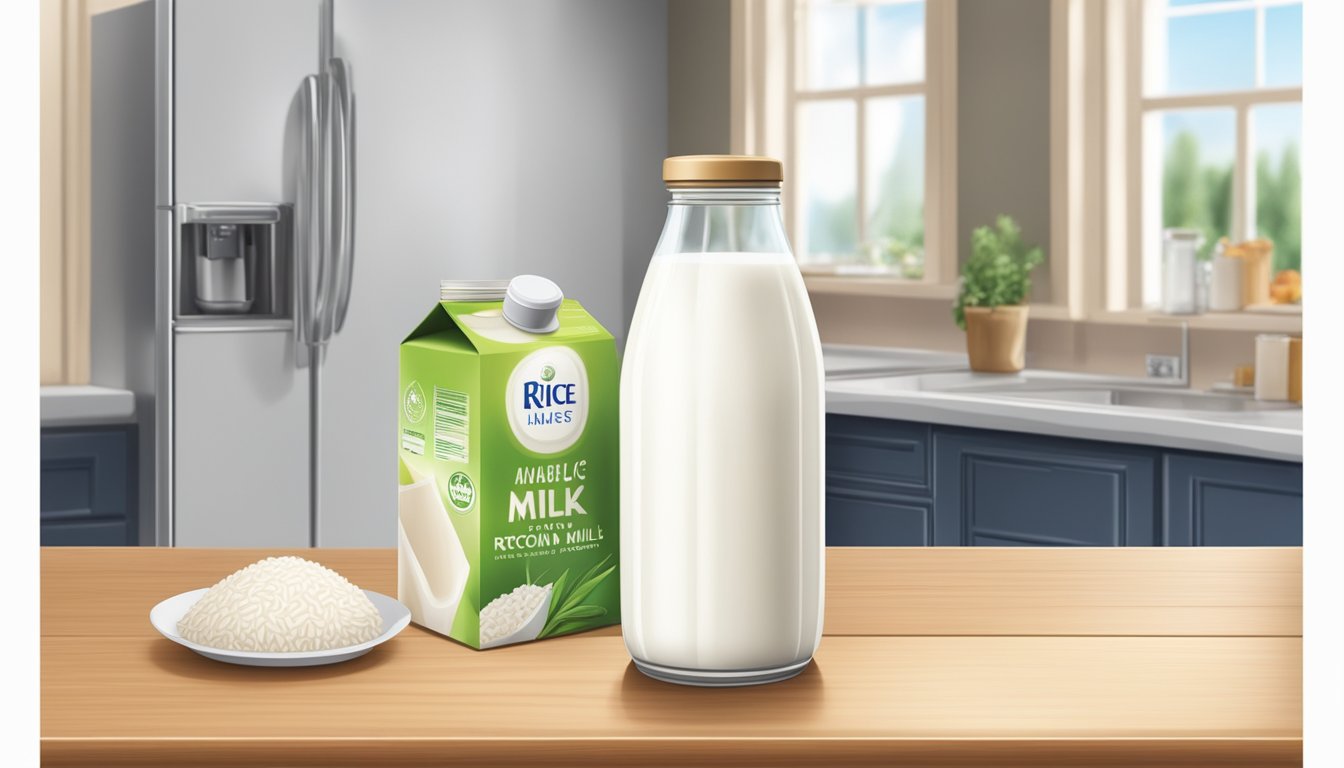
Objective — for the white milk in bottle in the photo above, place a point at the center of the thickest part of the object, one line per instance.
(722, 418)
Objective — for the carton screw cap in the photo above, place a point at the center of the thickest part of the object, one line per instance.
(531, 303)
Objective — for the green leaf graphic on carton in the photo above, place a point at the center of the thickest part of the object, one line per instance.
(567, 596)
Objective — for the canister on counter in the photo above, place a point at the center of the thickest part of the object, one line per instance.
(1271, 366)
(1295, 369)
(1180, 270)
(1243, 376)
(1257, 257)
(1225, 291)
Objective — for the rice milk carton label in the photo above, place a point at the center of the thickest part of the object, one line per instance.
(508, 459)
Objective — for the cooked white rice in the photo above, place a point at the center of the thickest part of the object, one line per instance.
(282, 604)
(507, 613)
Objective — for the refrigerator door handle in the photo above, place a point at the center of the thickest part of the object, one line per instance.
(306, 225)
(332, 181)
(340, 71)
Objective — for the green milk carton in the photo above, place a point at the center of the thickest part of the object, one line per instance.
(508, 502)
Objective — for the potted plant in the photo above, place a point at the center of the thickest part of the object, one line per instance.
(991, 301)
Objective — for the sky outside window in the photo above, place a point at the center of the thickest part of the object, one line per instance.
(894, 44)
(1283, 46)
(827, 151)
(1213, 52)
(854, 47)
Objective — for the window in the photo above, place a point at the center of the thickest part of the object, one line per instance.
(1220, 117)
(862, 115)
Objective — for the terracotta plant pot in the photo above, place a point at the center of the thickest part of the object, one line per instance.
(996, 338)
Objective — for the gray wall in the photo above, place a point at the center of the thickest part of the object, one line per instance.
(1003, 121)
(699, 49)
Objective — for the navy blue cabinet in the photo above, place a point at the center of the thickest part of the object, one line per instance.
(878, 454)
(899, 483)
(858, 519)
(1009, 489)
(87, 487)
(1224, 501)
(878, 482)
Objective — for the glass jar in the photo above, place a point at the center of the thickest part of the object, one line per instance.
(1180, 270)
(722, 414)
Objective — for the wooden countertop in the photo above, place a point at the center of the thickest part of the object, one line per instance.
(974, 656)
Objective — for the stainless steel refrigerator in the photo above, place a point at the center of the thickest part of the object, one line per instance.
(319, 165)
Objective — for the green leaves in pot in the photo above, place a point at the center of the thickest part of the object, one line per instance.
(998, 273)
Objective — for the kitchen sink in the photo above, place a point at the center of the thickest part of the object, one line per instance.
(1067, 388)
(1136, 397)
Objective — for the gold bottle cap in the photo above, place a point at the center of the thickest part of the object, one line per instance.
(722, 171)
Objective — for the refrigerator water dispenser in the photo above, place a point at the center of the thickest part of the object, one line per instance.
(225, 263)
(232, 261)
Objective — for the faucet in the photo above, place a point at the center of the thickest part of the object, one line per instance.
(1169, 370)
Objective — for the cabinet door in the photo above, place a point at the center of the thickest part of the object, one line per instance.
(878, 483)
(87, 493)
(856, 518)
(879, 455)
(1008, 489)
(1223, 501)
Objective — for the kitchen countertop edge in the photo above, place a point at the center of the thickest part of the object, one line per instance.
(1138, 427)
(621, 750)
(85, 405)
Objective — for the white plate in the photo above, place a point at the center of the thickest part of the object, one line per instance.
(166, 614)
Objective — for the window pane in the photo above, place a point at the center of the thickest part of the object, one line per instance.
(831, 39)
(1283, 46)
(1210, 52)
(894, 44)
(1277, 132)
(894, 180)
(1194, 166)
(826, 145)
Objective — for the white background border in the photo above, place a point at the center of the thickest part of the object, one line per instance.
(19, 422)
(1323, 180)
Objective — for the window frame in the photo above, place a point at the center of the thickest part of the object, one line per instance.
(766, 101)
(1146, 19)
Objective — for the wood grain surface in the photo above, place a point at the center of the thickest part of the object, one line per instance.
(931, 656)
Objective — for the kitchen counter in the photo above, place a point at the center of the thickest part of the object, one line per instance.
(955, 656)
(83, 405)
(846, 360)
(909, 394)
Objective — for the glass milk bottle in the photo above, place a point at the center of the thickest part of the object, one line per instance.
(722, 414)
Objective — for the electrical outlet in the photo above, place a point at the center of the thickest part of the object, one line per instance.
(1163, 366)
